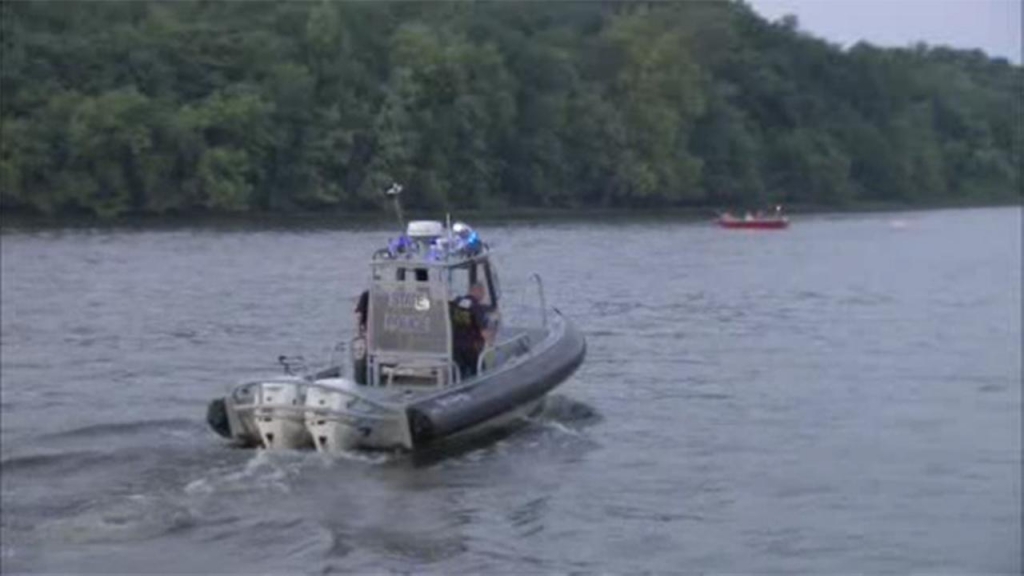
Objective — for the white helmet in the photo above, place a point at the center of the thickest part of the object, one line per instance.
(461, 229)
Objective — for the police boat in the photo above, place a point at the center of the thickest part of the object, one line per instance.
(437, 355)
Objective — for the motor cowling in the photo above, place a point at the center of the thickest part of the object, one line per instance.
(217, 417)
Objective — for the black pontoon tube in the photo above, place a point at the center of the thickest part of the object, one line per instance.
(505, 390)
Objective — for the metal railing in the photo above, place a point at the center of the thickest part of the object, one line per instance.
(521, 313)
(523, 340)
(543, 300)
(384, 371)
(389, 372)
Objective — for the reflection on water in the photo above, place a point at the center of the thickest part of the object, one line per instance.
(842, 395)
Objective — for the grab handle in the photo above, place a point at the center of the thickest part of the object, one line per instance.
(543, 300)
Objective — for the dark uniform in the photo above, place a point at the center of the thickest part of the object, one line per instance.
(359, 359)
(361, 309)
(469, 320)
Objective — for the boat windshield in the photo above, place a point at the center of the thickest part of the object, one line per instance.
(462, 276)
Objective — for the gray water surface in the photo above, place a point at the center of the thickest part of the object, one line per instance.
(843, 396)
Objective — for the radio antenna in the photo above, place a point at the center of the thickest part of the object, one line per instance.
(395, 192)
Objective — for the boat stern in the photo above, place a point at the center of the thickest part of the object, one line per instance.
(339, 418)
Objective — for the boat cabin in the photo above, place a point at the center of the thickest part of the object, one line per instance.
(409, 336)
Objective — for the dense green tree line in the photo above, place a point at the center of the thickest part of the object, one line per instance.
(115, 108)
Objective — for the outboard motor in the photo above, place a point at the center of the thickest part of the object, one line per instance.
(217, 417)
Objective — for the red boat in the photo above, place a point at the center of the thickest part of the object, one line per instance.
(773, 222)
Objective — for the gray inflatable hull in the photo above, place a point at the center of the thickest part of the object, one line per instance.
(505, 390)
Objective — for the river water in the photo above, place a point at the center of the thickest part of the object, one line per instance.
(842, 396)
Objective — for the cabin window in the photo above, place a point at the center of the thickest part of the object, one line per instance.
(458, 278)
(495, 285)
(482, 277)
(418, 274)
(462, 277)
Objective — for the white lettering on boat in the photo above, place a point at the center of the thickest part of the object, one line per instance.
(406, 323)
(452, 400)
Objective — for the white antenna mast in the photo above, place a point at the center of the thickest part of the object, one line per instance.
(448, 229)
(395, 192)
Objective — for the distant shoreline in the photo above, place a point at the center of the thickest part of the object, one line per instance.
(384, 218)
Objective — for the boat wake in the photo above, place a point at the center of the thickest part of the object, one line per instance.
(123, 429)
(55, 462)
(264, 471)
(124, 519)
(563, 410)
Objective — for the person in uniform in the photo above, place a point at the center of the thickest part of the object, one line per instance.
(361, 310)
(359, 344)
(471, 329)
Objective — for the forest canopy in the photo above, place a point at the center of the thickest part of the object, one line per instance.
(113, 108)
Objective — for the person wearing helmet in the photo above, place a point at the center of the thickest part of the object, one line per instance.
(466, 238)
